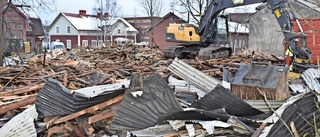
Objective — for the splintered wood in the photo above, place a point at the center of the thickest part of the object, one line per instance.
(82, 68)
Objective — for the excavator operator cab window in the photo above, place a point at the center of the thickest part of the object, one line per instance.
(222, 30)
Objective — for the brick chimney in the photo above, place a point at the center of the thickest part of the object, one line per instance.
(82, 12)
(99, 15)
(106, 15)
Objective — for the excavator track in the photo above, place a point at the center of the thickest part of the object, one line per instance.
(209, 52)
(173, 52)
(212, 52)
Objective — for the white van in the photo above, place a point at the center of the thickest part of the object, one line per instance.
(56, 46)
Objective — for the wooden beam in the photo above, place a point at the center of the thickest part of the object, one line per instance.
(100, 116)
(17, 104)
(259, 130)
(65, 79)
(14, 78)
(92, 108)
(22, 90)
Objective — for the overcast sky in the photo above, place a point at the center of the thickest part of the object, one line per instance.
(128, 8)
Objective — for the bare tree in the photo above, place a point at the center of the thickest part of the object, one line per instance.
(107, 10)
(194, 8)
(151, 8)
(42, 5)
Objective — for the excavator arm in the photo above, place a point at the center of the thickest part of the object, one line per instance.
(281, 10)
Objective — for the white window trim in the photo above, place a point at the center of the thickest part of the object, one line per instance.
(85, 43)
(67, 45)
(67, 29)
(57, 29)
(94, 41)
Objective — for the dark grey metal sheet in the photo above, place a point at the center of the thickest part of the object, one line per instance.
(259, 76)
(156, 104)
(223, 98)
(55, 100)
(301, 110)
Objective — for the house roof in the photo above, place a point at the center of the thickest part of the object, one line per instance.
(239, 17)
(162, 19)
(33, 20)
(87, 22)
(37, 28)
(131, 28)
(91, 22)
(28, 11)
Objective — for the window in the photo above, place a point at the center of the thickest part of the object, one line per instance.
(119, 31)
(11, 25)
(69, 44)
(57, 40)
(84, 43)
(94, 43)
(145, 37)
(68, 30)
(57, 30)
(100, 43)
(20, 25)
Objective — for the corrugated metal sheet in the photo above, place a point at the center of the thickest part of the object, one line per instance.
(263, 106)
(311, 77)
(21, 125)
(55, 100)
(223, 98)
(300, 112)
(158, 130)
(197, 78)
(183, 85)
(156, 103)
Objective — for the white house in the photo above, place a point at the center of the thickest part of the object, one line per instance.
(88, 30)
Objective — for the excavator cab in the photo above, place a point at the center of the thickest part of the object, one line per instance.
(217, 32)
(191, 44)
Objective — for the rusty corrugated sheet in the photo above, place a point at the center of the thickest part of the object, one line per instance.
(223, 98)
(55, 100)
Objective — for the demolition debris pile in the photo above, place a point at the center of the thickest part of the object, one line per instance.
(93, 92)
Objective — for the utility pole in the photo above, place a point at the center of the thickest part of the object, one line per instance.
(1, 33)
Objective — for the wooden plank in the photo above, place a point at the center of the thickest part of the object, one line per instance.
(22, 90)
(20, 103)
(14, 78)
(294, 129)
(65, 79)
(259, 130)
(92, 108)
(101, 116)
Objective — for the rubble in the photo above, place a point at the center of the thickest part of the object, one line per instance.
(132, 90)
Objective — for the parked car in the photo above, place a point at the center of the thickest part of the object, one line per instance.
(56, 46)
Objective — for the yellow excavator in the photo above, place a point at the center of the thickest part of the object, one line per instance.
(210, 38)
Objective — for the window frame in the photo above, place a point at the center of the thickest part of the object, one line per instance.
(68, 29)
(57, 30)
